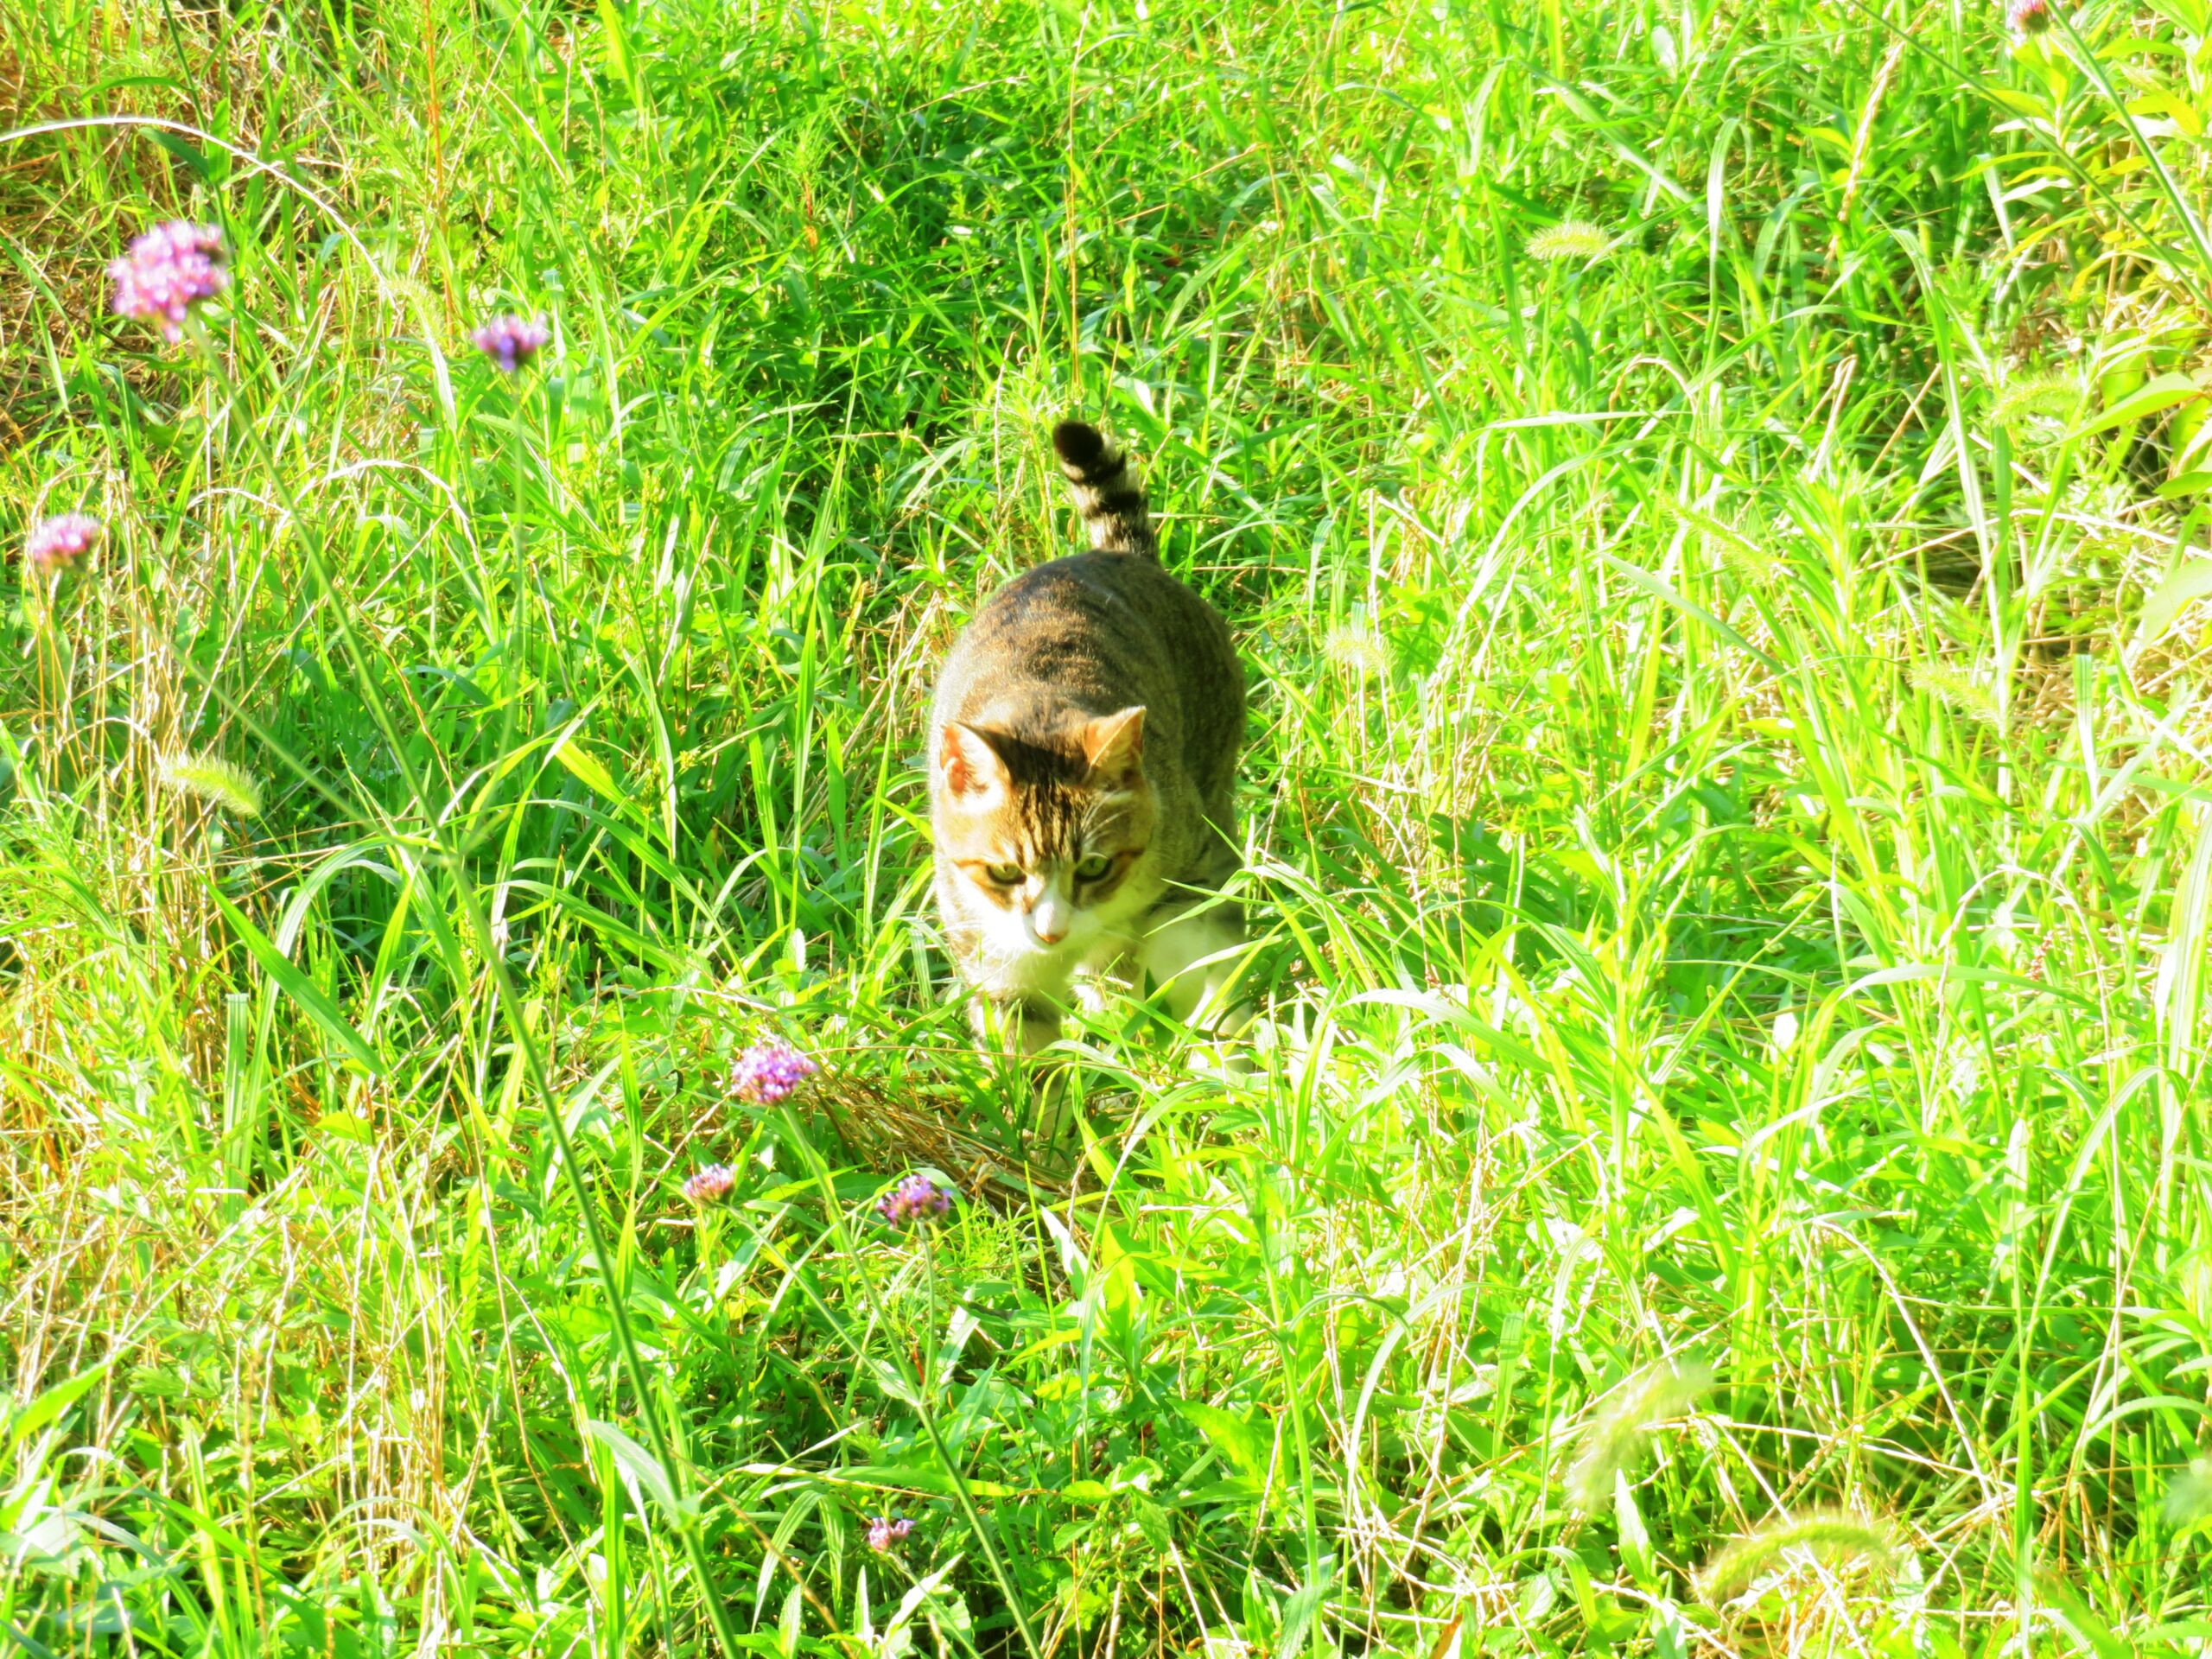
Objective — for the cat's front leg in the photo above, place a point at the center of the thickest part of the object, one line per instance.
(1027, 1024)
(1192, 955)
(1110, 966)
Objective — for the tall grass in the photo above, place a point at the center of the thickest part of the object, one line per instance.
(1707, 500)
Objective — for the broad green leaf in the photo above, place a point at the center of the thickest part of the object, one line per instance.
(2083, 1625)
(2166, 105)
(2160, 394)
(616, 40)
(51, 1403)
(589, 770)
(793, 1625)
(2019, 102)
(1661, 590)
(310, 996)
(2188, 582)
(1231, 1435)
(642, 1468)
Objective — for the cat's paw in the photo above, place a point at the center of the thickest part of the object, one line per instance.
(1011, 1026)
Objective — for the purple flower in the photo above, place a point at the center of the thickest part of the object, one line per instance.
(766, 1072)
(170, 270)
(710, 1182)
(510, 342)
(57, 543)
(916, 1198)
(2028, 16)
(886, 1530)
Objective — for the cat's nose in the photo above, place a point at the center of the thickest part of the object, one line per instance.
(1048, 920)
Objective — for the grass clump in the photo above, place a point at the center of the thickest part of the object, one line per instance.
(490, 1155)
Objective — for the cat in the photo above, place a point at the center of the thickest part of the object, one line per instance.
(1083, 764)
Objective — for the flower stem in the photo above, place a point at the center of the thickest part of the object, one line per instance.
(510, 1007)
(835, 1214)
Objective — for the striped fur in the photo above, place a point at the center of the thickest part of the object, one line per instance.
(1083, 776)
(1106, 490)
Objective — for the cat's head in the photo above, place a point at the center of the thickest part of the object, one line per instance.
(1039, 837)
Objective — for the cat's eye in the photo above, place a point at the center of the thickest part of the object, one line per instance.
(1094, 868)
(1005, 875)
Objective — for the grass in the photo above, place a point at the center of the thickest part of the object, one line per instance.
(1705, 498)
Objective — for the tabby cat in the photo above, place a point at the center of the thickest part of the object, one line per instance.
(1083, 761)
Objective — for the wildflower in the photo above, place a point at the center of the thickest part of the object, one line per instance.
(916, 1198)
(2026, 18)
(170, 270)
(210, 778)
(886, 1530)
(1571, 238)
(57, 543)
(766, 1072)
(1617, 1433)
(510, 342)
(712, 1182)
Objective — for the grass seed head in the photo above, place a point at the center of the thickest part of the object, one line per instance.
(1616, 1433)
(1957, 688)
(1357, 650)
(1828, 1535)
(1753, 563)
(2040, 396)
(210, 779)
(1571, 238)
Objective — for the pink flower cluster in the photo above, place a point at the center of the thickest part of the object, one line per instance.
(710, 1182)
(886, 1530)
(766, 1072)
(170, 270)
(916, 1198)
(510, 342)
(2028, 16)
(57, 543)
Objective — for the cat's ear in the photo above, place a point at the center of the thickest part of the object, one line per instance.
(967, 761)
(1114, 744)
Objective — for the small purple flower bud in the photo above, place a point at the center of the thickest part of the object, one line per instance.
(167, 270)
(57, 543)
(510, 342)
(916, 1198)
(2028, 16)
(886, 1530)
(766, 1072)
(710, 1182)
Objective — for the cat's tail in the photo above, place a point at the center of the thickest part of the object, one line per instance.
(1106, 490)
